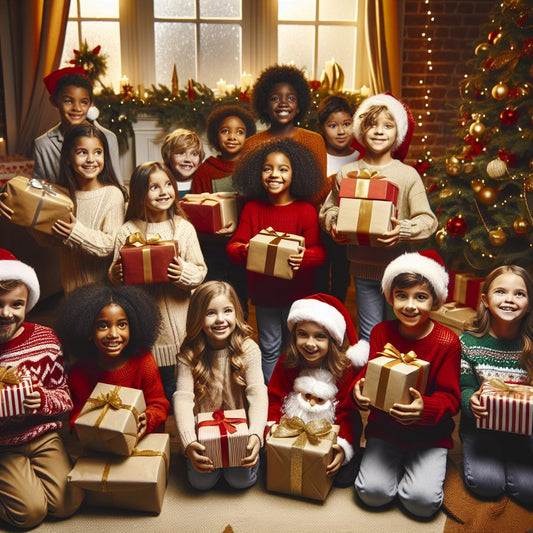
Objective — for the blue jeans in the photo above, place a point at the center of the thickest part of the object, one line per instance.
(370, 305)
(272, 332)
(168, 379)
(237, 477)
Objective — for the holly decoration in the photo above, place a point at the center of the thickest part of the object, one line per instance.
(94, 63)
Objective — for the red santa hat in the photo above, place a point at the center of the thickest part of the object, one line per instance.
(316, 381)
(332, 315)
(428, 264)
(405, 123)
(53, 78)
(13, 269)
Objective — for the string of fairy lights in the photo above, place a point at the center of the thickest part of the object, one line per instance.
(426, 37)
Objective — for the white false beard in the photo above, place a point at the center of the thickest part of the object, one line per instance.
(295, 405)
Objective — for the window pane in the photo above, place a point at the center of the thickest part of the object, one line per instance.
(182, 9)
(71, 42)
(297, 9)
(338, 42)
(175, 43)
(296, 44)
(338, 10)
(99, 9)
(220, 53)
(73, 10)
(229, 9)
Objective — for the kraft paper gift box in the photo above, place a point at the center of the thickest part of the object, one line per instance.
(14, 388)
(210, 212)
(137, 482)
(389, 377)
(146, 261)
(297, 457)
(269, 251)
(510, 407)
(465, 288)
(108, 420)
(37, 204)
(224, 435)
(453, 316)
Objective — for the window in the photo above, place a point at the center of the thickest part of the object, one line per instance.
(209, 39)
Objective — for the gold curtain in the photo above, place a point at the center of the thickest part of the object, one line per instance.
(384, 25)
(37, 35)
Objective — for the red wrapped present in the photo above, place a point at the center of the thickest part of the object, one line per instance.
(389, 377)
(13, 391)
(465, 288)
(510, 407)
(224, 435)
(370, 189)
(210, 212)
(146, 261)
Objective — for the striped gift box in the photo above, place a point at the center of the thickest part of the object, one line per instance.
(510, 407)
(12, 397)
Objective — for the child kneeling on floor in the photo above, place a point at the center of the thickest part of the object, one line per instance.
(406, 448)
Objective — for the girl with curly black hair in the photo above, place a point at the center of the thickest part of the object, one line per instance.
(110, 331)
(278, 178)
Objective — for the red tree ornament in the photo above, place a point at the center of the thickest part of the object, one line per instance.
(456, 226)
(509, 116)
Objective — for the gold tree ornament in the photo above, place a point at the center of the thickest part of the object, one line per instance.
(469, 167)
(481, 48)
(487, 195)
(496, 168)
(521, 226)
(500, 91)
(477, 129)
(497, 237)
(445, 193)
(453, 166)
(477, 185)
(440, 236)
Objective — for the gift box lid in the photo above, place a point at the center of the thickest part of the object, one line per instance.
(370, 189)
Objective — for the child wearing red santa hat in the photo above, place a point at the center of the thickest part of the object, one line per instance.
(322, 336)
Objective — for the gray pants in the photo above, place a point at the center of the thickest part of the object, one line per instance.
(415, 475)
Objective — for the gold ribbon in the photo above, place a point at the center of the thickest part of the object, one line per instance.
(150, 453)
(511, 389)
(138, 239)
(313, 432)
(9, 376)
(109, 400)
(272, 247)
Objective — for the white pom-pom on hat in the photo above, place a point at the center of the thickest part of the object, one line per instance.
(93, 113)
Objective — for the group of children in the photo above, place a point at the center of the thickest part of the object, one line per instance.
(186, 343)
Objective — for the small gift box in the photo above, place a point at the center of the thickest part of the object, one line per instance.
(456, 317)
(108, 420)
(137, 482)
(510, 407)
(369, 189)
(297, 457)
(224, 435)
(146, 261)
(210, 212)
(389, 377)
(13, 391)
(269, 251)
(465, 288)
(36, 204)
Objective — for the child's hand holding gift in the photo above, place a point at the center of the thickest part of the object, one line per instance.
(253, 447)
(478, 410)
(409, 413)
(362, 401)
(200, 462)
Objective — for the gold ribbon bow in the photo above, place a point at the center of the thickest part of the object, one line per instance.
(109, 400)
(391, 351)
(9, 376)
(510, 388)
(138, 239)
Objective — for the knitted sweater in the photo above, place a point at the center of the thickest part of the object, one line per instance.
(442, 349)
(36, 352)
(417, 221)
(139, 372)
(487, 357)
(298, 218)
(172, 298)
(213, 168)
(223, 392)
(87, 253)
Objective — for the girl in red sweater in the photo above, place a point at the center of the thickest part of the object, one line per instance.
(110, 330)
(278, 178)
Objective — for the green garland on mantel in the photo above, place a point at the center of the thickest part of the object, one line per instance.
(186, 108)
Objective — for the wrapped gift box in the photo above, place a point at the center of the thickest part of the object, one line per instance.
(210, 212)
(369, 189)
(297, 457)
(224, 435)
(138, 482)
(269, 251)
(13, 391)
(465, 288)
(146, 262)
(388, 378)
(37, 204)
(510, 407)
(454, 316)
(108, 420)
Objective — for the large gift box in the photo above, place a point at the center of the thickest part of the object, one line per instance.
(224, 435)
(137, 482)
(146, 261)
(366, 207)
(453, 316)
(510, 407)
(13, 391)
(269, 251)
(37, 204)
(465, 288)
(108, 420)
(389, 377)
(210, 212)
(297, 457)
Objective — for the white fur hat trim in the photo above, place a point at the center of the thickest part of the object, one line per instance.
(318, 381)
(12, 268)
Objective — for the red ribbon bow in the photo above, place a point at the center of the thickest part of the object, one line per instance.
(220, 420)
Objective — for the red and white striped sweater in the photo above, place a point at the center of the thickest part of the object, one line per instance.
(36, 352)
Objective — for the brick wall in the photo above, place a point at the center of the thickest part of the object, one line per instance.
(455, 30)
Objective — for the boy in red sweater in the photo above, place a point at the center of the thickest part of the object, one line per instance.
(406, 448)
(33, 461)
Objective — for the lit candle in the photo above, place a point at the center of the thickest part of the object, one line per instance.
(246, 82)
(365, 91)
(221, 87)
(2, 147)
(124, 81)
(230, 88)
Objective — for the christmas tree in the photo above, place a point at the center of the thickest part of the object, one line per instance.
(484, 193)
